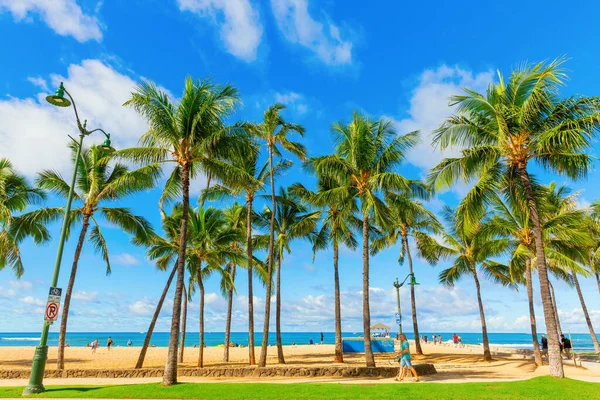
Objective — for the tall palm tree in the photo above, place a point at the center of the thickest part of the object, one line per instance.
(292, 222)
(15, 196)
(338, 224)
(471, 246)
(98, 182)
(367, 154)
(187, 133)
(410, 219)
(243, 176)
(594, 257)
(519, 121)
(274, 131)
(210, 250)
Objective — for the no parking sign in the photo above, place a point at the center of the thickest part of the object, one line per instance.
(53, 305)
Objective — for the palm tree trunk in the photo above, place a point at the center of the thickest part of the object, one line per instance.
(201, 350)
(487, 355)
(370, 360)
(418, 349)
(203, 198)
(598, 280)
(183, 325)
(60, 364)
(265, 339)
(280, 357)
(555, 310)
(585, 314)
(251, 358)
(228, 323)
(528, 283)
(554, 357)
(170, 373)
(339, 354)
(140, 361)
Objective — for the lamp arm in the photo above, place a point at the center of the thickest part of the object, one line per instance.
(101, 130)
(79, 126)
(404, 281)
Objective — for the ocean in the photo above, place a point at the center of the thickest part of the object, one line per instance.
(581, 342)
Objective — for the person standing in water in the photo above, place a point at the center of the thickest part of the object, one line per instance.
(405, 363)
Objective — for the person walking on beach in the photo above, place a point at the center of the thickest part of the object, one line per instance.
(434, 338)
(322, 338)
(109, 343)
(405, 363)
(460, 343)
(566, 344)
(440, 339)
(544, 346)
(455, 340)
(95, 345)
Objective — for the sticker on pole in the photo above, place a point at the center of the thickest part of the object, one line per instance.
(398, 318)
(53, 305)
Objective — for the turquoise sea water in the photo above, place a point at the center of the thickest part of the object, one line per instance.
(581, 342)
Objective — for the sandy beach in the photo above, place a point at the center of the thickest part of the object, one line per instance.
(453, 364)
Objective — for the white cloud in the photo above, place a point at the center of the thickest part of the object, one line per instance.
(39, 82)
(292, 100)
(125, 259)
(85, 296)
(143, 307)
(33, 134)
(240, 27)
(64, 17)
(24, 285)
(32, 300)
(298, 26)
(429, 108)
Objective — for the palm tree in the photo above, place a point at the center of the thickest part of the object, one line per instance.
(292, 222)
(242, 175)
(274, 131)
(338, 224)
(409, 218)
(15, 196)
(367, 153)
(98, 183)
(469, 246)
(515, 123)
(210, 249)
(187, 133)
(594, 257)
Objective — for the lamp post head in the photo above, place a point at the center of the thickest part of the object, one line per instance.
(413, 281)
(107, 145)
(58, 99)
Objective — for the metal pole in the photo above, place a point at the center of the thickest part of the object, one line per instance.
(41, 351)
(398, 286)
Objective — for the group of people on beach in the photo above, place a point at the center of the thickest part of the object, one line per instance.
(437, 339)
(565, 346)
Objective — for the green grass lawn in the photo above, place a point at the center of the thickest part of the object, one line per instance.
(538, 388)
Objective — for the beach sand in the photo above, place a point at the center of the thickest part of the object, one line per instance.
(453, 364)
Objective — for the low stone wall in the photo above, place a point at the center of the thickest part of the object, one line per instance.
(269, 372)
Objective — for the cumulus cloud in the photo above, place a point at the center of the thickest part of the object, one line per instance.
(429, 108)
(142, 307)
(22, 285)
(85, 296)
(292, 100)
(64, 17)
(240, 27)
(39, 82)
(125, 259)
(32, 300)
(323, 38)
(33, 134)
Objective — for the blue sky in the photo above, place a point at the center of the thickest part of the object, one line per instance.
(323, 59)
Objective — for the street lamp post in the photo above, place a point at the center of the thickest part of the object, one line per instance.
(397, 285)
(40, 356)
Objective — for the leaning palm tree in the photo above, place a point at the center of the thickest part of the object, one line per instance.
(99, 182)
(367, 154)
(594, 256)
(292, 222)
(519, 121)
(338, 224)
(274, 131)
(409, 219)
(470, 246)
(188, 133)
(243, 176)
(15, 196)
(210, 250)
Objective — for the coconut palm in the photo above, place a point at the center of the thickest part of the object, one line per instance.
(409, 219)
(187, 133)
(470, 246)
(98, 183)
(292, 222)
(15, 196)
(242, 175)
(210, 250)
(594, 256)
(274, 131)
(519, 121)
(337, 227)
(367, 154)
(562, 232)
